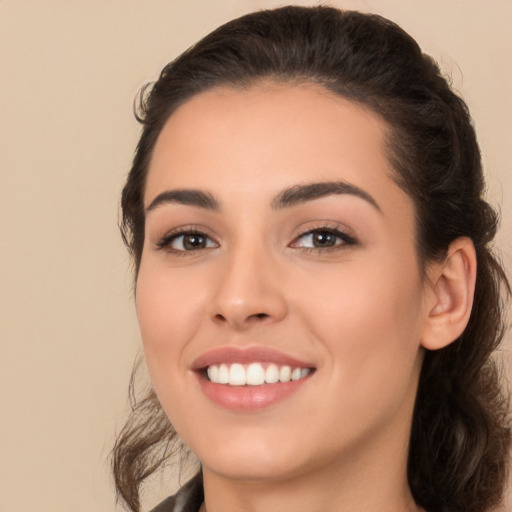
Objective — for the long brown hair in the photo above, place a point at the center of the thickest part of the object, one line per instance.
(461, 433)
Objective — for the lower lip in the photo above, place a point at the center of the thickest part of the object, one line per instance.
(249, 398)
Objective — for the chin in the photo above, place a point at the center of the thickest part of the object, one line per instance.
(252, 460)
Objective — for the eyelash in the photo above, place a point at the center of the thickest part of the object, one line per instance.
(346, 240)
(165, 242)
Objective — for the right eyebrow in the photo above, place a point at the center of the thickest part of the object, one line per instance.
(189, 197)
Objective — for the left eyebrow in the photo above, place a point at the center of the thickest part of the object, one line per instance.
(302, 193)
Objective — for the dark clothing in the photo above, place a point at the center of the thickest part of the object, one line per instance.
(188, 499)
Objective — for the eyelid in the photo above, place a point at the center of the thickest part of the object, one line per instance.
(333, 228)
(164, 242)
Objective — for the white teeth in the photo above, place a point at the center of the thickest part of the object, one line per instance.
(223, 377)
(271, 374)
(304, 372)
(285, 374)
(254, 374)
(213, 373)
(296, 373)
(237, 375)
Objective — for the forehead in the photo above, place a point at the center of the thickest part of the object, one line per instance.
(267, 138)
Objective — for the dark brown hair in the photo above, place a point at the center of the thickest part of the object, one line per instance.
(461, 433)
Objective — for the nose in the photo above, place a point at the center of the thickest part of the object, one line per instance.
(249, 291)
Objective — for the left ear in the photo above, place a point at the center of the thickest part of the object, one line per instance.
(449, 295)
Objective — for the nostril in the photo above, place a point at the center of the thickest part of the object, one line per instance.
(242, 319)
(259, 316)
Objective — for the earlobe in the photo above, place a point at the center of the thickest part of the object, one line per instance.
(450, 295)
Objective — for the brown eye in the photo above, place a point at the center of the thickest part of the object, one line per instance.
(192, 241)
(186, 242)
(323, 239)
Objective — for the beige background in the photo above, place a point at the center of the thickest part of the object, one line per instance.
(69, 70)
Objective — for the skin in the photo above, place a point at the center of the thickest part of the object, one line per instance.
(358, 312)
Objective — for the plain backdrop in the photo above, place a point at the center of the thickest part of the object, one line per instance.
(69, 71)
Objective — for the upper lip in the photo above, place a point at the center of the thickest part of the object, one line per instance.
(246, 356)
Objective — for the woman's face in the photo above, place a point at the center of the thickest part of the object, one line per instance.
(279, 249)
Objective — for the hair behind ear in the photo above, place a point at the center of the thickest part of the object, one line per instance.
(461, 433)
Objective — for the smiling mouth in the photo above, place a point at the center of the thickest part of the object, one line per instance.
(250, 379)
(254, 374)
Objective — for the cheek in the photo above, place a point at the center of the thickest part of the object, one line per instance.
(370, 322)
(168, 313)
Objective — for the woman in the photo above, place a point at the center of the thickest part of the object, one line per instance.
(316, 294)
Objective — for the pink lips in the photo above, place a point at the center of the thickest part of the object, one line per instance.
(247, 398)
